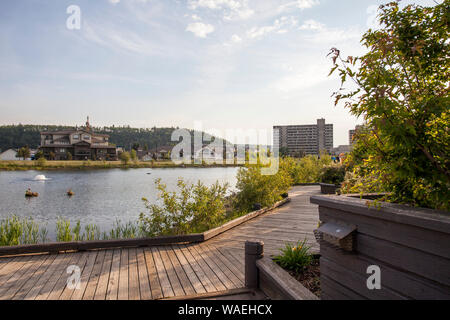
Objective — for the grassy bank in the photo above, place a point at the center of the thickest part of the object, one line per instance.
(53, 165)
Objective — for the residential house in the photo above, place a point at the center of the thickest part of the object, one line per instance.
(79, 144)
(9, 155)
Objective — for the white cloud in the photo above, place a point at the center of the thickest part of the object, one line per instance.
(278, 26)
(236, 39)
(372, 21)
(299, 4)
(233, 9)
(312, 25)
(114, 2)
(200, 29)
(196, 17)
(306, 4)
(119, 39)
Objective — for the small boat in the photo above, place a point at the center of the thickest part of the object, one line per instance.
(70, 193)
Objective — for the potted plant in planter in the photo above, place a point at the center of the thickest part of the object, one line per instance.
(402, 93)
(301, 264)
(331, 178)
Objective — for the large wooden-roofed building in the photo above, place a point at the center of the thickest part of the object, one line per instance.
(82, 144)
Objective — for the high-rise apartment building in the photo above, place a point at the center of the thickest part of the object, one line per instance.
(305, 139)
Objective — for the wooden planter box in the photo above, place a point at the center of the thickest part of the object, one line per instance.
(327, 188)
(263, 274)
(411, 246)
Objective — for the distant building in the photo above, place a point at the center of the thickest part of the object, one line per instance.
(351, 134)
(82, 144)
(161, 153)
(305, 139)
(9, 155)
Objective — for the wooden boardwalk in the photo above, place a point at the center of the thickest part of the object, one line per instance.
(161, 271)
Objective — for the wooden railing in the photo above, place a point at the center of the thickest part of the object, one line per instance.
(142, 242)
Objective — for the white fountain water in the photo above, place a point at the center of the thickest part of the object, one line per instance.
(40, 177)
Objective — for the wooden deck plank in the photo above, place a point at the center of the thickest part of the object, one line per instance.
(207, 255)
(32, 282)
(43, 280)
(9, 270)
(227, 267)
(155, 286)
(173, 277)
(4, 262)
(144, 284)
(206, 282)
(85, 275)
(61, 283)
(95, 276)
(237, 265)
(123, 276)
(166, 287)
(20, 277)
(190, 273)
(113, 282)
(182, 276)
(102, 285)
(208, 271)
(47, 288)
(68, 291)
(133, 278)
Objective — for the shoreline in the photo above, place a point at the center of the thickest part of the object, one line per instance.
(29, 165)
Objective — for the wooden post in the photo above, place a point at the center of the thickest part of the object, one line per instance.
(253, 252)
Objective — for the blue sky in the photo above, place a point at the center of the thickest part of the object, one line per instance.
(231, 64)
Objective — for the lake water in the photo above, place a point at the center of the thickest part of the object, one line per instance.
(101, 196)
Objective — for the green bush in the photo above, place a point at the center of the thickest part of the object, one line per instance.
(255, 188)
(306, 169)
(295, 258)
(334, 174)
(125, 157)
(400, 87)
(194, 208)
(41, 162)
(17, 231)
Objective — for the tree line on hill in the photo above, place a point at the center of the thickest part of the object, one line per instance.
(17, 136)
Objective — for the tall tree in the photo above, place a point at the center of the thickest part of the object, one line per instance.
(400, 87)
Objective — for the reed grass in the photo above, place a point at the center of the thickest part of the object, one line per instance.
(15, 231)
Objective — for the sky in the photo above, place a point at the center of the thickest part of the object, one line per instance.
(227, 64)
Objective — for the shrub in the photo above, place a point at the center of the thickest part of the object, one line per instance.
(306, 169)
(125, 157)
(194, 208)
(39, 155)
(133, 156)
(255, 188)
(402, 93)
(295, 258)
(334, 174)
(41, 162)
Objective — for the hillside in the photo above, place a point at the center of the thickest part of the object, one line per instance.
(16, 136)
